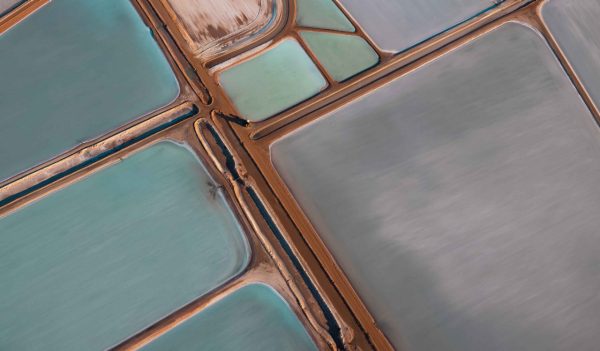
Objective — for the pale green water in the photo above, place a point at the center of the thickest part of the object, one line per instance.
(254, 318)
(322, 14)
(91, 264)
(73, 70)
(273, 81)
(343, 56)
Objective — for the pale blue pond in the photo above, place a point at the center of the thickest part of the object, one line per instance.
(254, 318)
(93, 263)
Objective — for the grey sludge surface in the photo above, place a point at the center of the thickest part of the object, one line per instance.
(396, 25)
(462, 200)
(7, 5)
(575, 25)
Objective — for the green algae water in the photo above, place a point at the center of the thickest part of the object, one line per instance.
(273, 81)
(343, 56)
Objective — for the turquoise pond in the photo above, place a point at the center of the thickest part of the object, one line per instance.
(253, 318)
(89, 265)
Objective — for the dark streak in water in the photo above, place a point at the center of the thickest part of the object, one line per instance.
(101, 156)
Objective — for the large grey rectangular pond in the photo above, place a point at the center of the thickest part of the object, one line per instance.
(462, 199)
(575, 26)
(397, 25)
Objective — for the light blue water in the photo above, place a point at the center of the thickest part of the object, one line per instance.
(89, 265)
(254, 318)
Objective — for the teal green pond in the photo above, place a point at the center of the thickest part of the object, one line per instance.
(72, 71)
(321, 14)
(253, 318)
(273, 81)
(342, 55)
(91, 264)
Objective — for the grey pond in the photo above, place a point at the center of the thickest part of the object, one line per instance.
(462, 199)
